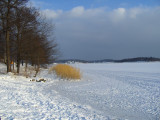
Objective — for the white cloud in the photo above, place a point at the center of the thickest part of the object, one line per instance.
(118, 14)
(98, 33)
(77, 11)
(120, 11)
(134, 12)
(51, 14)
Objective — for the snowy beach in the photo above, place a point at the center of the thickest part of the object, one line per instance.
(107, 91)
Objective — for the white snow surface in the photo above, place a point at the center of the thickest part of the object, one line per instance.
(107, 91)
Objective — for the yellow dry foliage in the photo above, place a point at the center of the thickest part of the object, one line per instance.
(66, 71)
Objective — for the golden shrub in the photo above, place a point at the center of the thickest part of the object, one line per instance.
(66, 72)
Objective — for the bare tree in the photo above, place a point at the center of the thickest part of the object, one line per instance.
(8, 7)
(25, 22)
(26, 35)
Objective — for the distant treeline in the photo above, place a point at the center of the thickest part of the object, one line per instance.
(137, 59)
(145, 59)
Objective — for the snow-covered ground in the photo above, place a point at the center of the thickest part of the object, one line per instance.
(107, 91)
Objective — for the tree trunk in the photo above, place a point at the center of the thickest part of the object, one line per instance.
(22, 62)
(26, 65)
(38, 66)
(18, 52)
(4, 37)
(8, 39)
(5, 58)
(13, 66)
(8, 52)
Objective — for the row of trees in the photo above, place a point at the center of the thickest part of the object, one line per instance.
(24, 35)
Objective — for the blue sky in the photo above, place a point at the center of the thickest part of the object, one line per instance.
(110, 4)
(104, 29)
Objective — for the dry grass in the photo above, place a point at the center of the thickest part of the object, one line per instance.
(66, 72)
